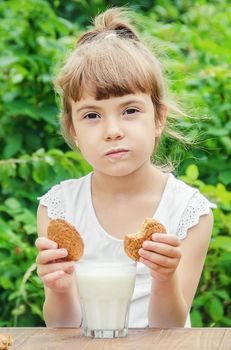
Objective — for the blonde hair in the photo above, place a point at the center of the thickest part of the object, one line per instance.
(111, 60)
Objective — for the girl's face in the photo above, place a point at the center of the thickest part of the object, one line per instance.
(117, 135)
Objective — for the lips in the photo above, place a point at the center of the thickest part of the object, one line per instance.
(117, 152)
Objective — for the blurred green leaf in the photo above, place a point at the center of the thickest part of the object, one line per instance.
(196, 318)
(13, 204)
(222, 242)
(13, 145)
(6, 61)
(192, 172)
(216, 309)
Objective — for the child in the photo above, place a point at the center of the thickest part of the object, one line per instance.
(114, 112)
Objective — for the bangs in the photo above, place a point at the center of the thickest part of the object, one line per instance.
(110, 68)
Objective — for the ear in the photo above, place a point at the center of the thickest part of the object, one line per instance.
(160, 121)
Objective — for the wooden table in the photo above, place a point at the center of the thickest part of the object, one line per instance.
(143, 339)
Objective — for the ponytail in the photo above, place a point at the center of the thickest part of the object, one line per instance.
(112, 21)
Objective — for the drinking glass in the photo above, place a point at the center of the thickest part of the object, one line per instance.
(105, 290)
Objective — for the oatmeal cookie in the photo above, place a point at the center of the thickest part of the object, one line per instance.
(66, 236)
(133, 242)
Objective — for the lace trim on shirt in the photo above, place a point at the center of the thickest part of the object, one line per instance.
(54, 203)
(197, 206)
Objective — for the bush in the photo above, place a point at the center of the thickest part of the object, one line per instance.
(212, 306)
(21, 291)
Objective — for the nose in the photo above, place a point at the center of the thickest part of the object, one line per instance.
(113, 130)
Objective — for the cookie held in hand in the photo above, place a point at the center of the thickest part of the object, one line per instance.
(133, 242)
(66, 236)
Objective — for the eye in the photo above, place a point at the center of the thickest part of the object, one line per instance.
(91, 116)
(130, 111)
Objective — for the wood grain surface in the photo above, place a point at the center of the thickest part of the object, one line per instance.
(145, 339)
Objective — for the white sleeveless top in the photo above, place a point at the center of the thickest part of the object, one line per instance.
(179, 209)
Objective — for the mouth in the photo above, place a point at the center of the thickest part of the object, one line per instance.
(117, 153)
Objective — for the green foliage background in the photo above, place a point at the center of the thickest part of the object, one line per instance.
(192, 38)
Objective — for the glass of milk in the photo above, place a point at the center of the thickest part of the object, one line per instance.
(105, 290)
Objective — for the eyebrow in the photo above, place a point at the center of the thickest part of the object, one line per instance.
(98, 107)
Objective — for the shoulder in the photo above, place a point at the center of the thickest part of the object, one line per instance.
(180, 187)
(65, 185)
(75, 183)
(192, 197)
(187, 206)
(202, 230)
(177, 195)
(55, 200)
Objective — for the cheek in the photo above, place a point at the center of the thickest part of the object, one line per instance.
(88, 153)
(87, 145)
(145, 135)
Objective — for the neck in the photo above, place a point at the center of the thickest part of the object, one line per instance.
(143, 179)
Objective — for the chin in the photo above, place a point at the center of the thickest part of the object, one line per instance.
(119, 172)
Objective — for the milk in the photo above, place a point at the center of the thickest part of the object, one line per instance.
(105, 291)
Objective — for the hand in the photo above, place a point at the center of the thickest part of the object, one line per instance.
(162, 255)
(57, 276)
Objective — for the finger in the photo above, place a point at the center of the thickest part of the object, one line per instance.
(158, 272)
(59, 282)
(49, 255)
(163, 249)
(43, 243)
(43, 270)
(158, 259)
(166, 238)
(52, 277)
(155, 267)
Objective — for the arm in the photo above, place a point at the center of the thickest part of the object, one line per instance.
(61, 307)
(176, 268)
